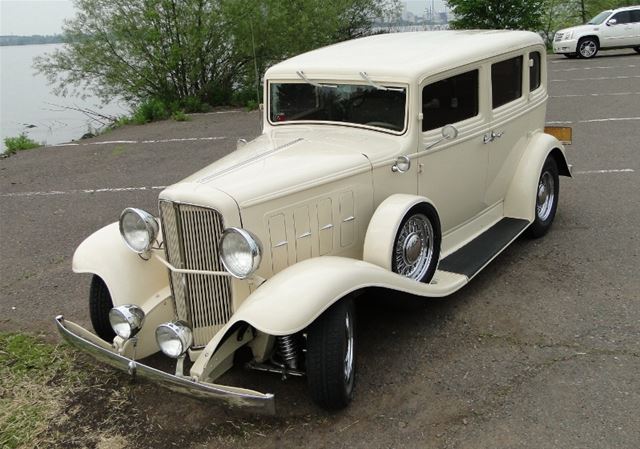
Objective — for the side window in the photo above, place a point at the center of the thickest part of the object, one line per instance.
(450, 100)
(622, 17)
(635, 15)
(506, 81)
(534, 71)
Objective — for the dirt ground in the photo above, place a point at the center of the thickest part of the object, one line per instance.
(541, 350)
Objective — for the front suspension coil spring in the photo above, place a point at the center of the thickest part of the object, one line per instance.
(288, 350)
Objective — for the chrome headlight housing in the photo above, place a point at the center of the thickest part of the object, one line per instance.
(126, 320)
(240, 252)
(138, 229)
(174, 339)
(568, 35)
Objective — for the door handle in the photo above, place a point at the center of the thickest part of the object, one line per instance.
(491, 136)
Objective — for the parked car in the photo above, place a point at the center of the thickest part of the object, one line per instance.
(405, 162)
(611, 29)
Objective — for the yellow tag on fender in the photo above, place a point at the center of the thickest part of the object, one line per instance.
(563, 133)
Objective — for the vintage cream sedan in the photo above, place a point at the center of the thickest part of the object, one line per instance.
(402, 161)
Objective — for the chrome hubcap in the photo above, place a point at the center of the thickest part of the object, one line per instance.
(348, 358)
(588, 49)
(414, 247)
(546, 196)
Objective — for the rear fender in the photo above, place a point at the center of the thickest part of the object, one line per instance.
(520, 201)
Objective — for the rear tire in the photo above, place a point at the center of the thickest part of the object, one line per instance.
(100, 304)
(546, 199)
(330, 357)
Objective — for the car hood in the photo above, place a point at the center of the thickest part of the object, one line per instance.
(581, 29)
(287, 160)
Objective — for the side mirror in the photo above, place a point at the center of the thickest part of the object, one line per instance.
(611, 22)
(449, 132)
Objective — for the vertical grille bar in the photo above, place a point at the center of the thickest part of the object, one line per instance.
(191, 235)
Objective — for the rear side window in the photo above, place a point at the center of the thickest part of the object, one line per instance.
(635, 15)
(450, 100)
(506, 81)
(534, 71)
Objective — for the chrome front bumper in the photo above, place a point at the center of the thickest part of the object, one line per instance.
(234, 397)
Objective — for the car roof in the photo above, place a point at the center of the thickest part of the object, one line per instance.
(626, 8)
(403, 56)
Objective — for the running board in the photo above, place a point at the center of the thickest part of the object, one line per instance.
(472, 257)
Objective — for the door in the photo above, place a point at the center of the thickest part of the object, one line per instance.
(618, 34)
(453, 173)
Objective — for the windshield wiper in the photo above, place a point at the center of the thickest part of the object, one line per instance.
(378, 86)
(301, 74)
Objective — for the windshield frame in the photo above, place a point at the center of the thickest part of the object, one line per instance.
(605, 14)
(360, 82)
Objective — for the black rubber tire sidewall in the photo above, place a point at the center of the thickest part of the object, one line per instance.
(584, 40)
(429, 211)
(326, 351)
(539, 227)
(100, 304)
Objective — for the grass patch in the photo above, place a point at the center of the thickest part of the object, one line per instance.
(30, 380)
(20, 143)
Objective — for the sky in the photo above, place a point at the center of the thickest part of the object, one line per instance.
(26, 17)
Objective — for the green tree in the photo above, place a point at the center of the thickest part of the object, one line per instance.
(193, 51)
(497, 14)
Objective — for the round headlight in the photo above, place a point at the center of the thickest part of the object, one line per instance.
(174, 338)
(139, 229)
(240, 252)
(126, 320)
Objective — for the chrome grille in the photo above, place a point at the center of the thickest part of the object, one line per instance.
(191, 235)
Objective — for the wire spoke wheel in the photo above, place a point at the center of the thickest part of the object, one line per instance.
(414, 247)
(546, 196)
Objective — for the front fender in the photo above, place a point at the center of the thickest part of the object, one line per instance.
(292, 299)
(520, 201)
(129, 278)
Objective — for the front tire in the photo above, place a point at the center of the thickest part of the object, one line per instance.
(100, 304)
(330, 358)
(587, 48)
(546, 199)
(416, 248)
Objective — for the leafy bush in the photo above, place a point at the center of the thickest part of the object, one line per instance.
(151, 110)
(22, 142)
(180, 116)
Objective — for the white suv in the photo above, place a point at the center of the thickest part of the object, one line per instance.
(618, 28)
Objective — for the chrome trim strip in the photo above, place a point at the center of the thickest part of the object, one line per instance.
(348, 219)
(279, 244)
(305, 234)
(232, 396)
(328, 226)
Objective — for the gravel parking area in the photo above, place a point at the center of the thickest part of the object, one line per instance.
(541, 350)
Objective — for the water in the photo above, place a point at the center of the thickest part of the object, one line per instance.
(28, 104)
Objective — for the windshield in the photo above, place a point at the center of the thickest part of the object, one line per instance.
(344, 103)
(597, 20)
